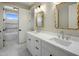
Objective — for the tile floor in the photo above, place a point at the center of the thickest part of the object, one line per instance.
(12, 48)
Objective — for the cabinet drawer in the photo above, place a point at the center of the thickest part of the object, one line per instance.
(37, 51)
(48, 46)
(37, 48)
(46, 52)
(47, 49)
(37, 42)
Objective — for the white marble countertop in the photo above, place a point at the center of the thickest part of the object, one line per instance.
(73, 48)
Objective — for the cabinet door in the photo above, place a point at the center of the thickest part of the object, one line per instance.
(47, 49)
(38, 46)
(37, 50)
(34, 45)
(47, 52)
(30, 43)
(56, 51)
(60, 52)
(44, 50)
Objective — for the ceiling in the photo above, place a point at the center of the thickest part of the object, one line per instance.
(26, 5)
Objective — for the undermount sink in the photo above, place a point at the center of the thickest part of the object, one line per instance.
(35, 32)
(61, 42)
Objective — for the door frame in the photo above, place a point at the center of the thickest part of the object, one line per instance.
(17, 17)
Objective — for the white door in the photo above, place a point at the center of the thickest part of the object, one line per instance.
(24, 17)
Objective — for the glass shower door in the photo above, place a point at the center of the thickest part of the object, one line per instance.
(1, 27)
(10, 25)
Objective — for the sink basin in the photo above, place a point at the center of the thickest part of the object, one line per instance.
(35, 32)
(61, 41)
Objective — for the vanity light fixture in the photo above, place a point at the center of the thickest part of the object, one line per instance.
(38, 8)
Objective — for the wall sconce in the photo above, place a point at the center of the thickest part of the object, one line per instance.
(38, 8)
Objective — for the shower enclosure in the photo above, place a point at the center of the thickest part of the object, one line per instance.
(9, 22)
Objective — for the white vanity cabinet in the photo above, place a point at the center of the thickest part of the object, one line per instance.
(39, 46)
(47, 52)
(29, 43)
(47, 49)
(51, 50)
(34, 45)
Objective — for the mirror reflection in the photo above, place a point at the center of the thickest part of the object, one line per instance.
(67, 15)
(40, 21)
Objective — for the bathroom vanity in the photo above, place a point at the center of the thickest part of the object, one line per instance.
(55, 44)
(44, 44)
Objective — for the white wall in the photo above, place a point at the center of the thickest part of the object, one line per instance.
(48, 16)
(50, 21)
(32, 18)
(24, 24)
(73, 16)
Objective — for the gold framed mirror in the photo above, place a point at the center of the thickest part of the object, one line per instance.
(39, 20)
(67, 16)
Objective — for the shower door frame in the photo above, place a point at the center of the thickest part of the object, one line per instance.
(4, 23)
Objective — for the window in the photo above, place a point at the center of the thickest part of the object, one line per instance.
(11, 16)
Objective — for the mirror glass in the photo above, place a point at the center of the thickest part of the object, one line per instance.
(40, 20)
(67, 15)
